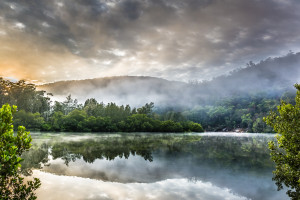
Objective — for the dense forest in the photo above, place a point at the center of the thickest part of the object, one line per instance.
(240, 113)
(237, 101)
(37, 113)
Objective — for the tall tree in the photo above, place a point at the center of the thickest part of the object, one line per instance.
(286, 152)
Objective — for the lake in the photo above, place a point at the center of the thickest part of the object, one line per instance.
(208, 166)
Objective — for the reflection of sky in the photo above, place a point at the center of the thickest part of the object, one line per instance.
(133, 169)
(164, 178)
(66, 187)
(136, 170)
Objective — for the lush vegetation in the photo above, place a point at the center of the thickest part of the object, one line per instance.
(243, 113)
(286, 152)
(36, 113)
(12, 186)
(98, 117)
(25, 96)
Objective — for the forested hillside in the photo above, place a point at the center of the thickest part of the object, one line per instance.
(272, 77)
(238, 101)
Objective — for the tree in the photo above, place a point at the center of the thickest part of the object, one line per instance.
(69, 105)
(56, 121)
(90, 107)
(286, 152)
(146, 109)
(192, 126)
(25, 96)
(171, 126)
(72, 120)
(32, 121)
(12, 186)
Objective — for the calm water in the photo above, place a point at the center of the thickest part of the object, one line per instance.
(208, 166)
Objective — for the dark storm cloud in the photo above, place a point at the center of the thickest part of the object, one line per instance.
(191, 39)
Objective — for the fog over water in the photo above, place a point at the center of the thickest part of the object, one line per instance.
(155, 166)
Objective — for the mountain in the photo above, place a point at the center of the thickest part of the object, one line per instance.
(134, 90)
(272, 76)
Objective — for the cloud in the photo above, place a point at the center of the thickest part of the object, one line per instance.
(177, 40)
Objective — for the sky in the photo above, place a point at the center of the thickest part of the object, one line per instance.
(45, 41)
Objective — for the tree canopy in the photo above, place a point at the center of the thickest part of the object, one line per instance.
(286, 152)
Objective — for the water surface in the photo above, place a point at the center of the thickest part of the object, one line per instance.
(153, 166)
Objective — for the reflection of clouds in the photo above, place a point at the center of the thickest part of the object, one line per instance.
(238, 176)
(133, 169)
(136, 169)
(62, 187)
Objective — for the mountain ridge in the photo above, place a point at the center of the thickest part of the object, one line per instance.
(270, 76)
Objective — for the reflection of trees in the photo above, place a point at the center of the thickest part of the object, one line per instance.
(35, 158)
(236, 153)
(111, 147)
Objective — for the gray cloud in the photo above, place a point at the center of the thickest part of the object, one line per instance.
(177, 40)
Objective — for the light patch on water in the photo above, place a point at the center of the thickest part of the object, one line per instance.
(65, 187)
(234, 134)
(70, 136)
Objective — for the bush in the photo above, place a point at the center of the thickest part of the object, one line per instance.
(12, 185)
(286, 152)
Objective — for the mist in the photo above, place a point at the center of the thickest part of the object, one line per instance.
(128, 86)
(270, 77)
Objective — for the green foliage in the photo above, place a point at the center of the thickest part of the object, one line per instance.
(12, 185)
(240, 112)
(192, 126)
(56, 120)
(36, 114)
(146, 109)
(72, 120)
(32, 121)
(97, 117)
(140, 123)
(67, 106)
(246, 120)
(171, 126)
(24, 96)
(286, 152)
